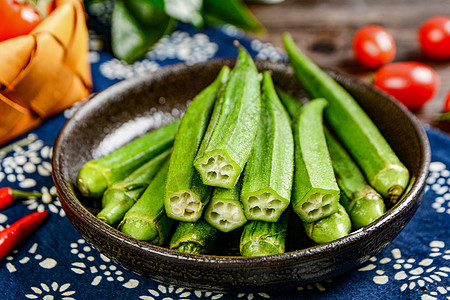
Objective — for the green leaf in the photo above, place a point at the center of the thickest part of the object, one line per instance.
(188, 11)
(232, 12)
(136, 26)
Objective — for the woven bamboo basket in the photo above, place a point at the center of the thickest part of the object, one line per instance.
(45, 71)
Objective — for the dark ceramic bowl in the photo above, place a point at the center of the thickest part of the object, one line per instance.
(128, 109)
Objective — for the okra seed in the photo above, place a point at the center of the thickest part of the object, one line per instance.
(265, 196)
(176, 210)
(214, 216)
(315, 196)
(274, 203)
(307, 206)
(270, 212)
(193, 206)
(252, 200)
(226, 168)
(224, 177)
(218, 205)
(175, 200)
(224, 223)
(255, 210)
(211, 175)
(327, 198)
(326, 207)
(314, 212)
(210, 162)
(231, 207)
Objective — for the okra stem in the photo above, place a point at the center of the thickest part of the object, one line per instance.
(194, 237)
(261, 238)
(146, 220)
(268, 175)
(98, 174)
(121, 196)
(330, 228)
(186, 194)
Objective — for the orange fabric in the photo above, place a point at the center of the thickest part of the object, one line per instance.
(15, 119)
(14, 56)
(45, 71)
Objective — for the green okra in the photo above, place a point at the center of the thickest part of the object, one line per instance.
(381, 166)
(291, 104)
(121, 196)
(268, 175)
(315, 193)
(146, 220)
(330, 228)
(186, 195)
(225, 210)
(232, 130)
(362, 203)
(194, 237)
(360, 200)
(261, 238)
(98, 174)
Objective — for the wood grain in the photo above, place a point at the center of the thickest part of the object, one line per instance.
(324, 30)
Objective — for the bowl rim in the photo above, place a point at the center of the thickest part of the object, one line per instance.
(351, 240)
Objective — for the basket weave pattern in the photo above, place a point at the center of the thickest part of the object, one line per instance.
(44, 72)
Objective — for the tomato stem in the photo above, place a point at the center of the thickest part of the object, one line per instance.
(443, 117)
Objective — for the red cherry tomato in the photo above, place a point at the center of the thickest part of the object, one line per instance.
(17, 18)
(411, 83)
(373, 46)
(447, 103)
(434, 37)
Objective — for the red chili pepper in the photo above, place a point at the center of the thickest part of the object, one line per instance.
(12, 235)
(8, 195)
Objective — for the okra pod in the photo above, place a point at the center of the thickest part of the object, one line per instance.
(121, 196)
(225, 210)
(330, 228)
(230, 136)
(186, 195)
(291, 104)
(315, 193)
(146, 220)
(264, 238)
(360, 200)
(194, 237)
(362, 203)
(267, 184)
(98, 174)
(381, 166)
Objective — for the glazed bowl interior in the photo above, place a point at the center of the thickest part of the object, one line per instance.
(132, 107)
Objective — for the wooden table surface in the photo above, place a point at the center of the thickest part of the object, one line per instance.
(324, 29)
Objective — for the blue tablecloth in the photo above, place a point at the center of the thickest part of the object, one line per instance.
(56, 262)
